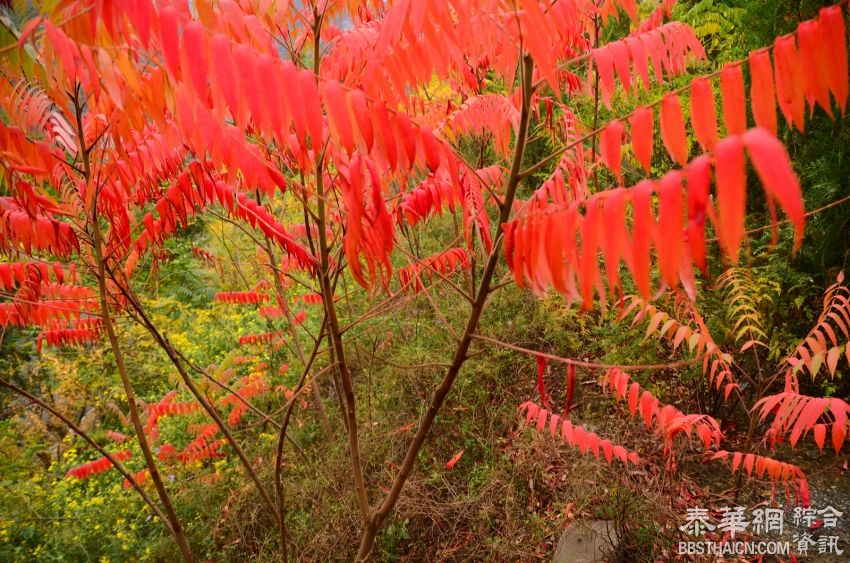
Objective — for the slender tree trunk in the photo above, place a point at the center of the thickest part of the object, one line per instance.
(173, 520)
(377, 518)
(330, 306)
(176, 528)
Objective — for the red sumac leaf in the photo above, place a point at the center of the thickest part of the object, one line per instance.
(731, 194)
(820, 435)
(668, 237)
(610, 147)
(814, 60)
(673, 129)
(789, 81)
(195, 53)
(455, 458)
(834, 35)
(762, 92)
(605, 67)
(732, 90)
(641, 128)
(773, 166)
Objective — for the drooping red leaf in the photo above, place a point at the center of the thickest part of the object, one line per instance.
(703, 114)
(610, 147)
(195, 57)
(762, 92)
(604, 64)
(732, 90)
(642, 234)
(668, 237)
(169, 39)
(773, 166)
(731, 194)
(455, 458)
(673, 129)
(788, 72)
(641, 129)
(819, 435)
(814, 58)
(835, 38)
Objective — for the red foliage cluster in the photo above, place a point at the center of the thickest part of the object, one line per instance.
(263, 338)
(140, 478)
(236, 413)
(271, 313)
(666, 47)
(42, 233)
(166, 451)
(798, 414)
(207, 258)
(166, 407)
(542, 247)
(193, 191)
(777, 471)
(238, 360)
(668, 420)
(444, 264)
(198, 449)
(251, 387)
(207, 430)
(568, 182)
(13, 274)
(575, 435)
(84, 333)
(485, 115)
(240, 297)
(116, 436)
(23, 314)
(311, 298)
(97, 466)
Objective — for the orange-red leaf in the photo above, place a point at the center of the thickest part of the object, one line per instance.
(169, 39)
(732, 90)
(814, 59)
(834, 35)
(731, 194)
(541, 384)
(773, 166)
(641, 128)
(820, 435)
(789, 81)
(610, 148)
(699, 179)
(703, 114)
(455, 458)
(673, 129)
(605, 68)
(195, 53)
(762, 92)
(642, 234)
(334, 97)
(668, 239)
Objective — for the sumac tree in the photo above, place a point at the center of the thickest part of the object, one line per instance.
(332, 131)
